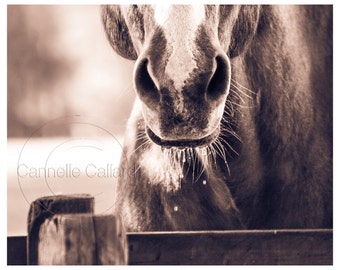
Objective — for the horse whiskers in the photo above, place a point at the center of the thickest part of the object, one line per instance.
(231, 103)
(230, 131)
(187, 163)
(145, 143)
(237, 94)
(238, 86)
(231, 106)
(171, 166)
(221, 153)
(239, 91)
(213, 152)
(230, 147)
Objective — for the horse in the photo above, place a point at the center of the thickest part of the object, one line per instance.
(232, 123)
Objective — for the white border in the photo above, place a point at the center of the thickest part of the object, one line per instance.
(3, 97)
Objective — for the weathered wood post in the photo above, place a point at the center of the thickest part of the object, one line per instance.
(63, 230)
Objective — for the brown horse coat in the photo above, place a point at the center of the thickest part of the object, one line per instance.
(270, 165)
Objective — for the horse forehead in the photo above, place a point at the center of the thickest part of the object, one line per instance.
(180, 24)
(188, 15)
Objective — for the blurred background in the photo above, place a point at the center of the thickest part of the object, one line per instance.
(69, 97)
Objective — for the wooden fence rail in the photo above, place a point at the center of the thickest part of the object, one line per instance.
(85, 238)
(298, 247)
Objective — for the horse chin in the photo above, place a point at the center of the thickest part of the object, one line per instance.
(184, 143)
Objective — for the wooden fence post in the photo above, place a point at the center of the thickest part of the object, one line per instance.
(64, 230)
(44, 208)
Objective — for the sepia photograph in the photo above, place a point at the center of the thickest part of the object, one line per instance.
(167, 134)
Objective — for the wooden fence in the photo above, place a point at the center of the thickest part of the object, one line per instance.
(64, 230)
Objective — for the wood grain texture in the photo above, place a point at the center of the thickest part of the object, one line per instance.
(82, 239)
(281, 247)
(45, 207)
(111, 240)
(67, 240)
(304, 247)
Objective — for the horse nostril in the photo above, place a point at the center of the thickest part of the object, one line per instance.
(144, 84)
(218, 84)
